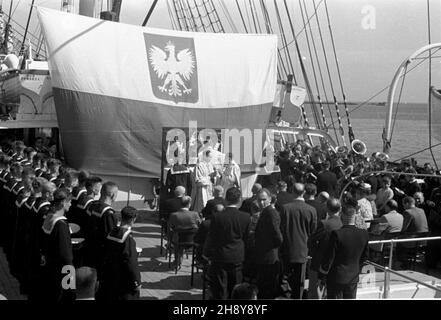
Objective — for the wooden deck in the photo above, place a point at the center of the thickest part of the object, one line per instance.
(158, 280)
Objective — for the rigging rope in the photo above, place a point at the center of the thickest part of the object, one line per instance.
(252, 15)
(198, 16)
(302, 66)
(430, 85)
(171, 15)
(303, 29)
(388, 86)
(229, 18)
(313, 67)
(342, 133)
(321, 75)
(208, 15)
(181, 10)
(254, 11)
(419, 151)
(269, 30)
(282, 31)
(216, 16)
(350, 131)
(248, 16)
(177, 15)
(241, 16)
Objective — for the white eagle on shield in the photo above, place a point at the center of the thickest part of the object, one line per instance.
(174, 67)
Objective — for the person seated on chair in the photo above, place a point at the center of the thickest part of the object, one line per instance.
(415, 220)
(184, 218)
(392, 219)
(173, 204)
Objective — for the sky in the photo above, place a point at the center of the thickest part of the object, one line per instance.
(372, 38)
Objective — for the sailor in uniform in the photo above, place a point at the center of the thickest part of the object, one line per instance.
(102, 220)
(57, 248)
(121, 279)
(21, 191)
(26, 229)
(37, 164)
(9, 206)
(53, 172)
(78, 214)
(36, 260)
(29, 154)
(79, 189)
(4, 177)
(18, 155)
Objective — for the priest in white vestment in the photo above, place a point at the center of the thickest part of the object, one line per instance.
(230, 174)
(203, 172)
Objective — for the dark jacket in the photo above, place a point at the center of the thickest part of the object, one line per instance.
(247, 204)
(415, 221)
(121, 273)
(102, 221)
(171, 205)
(227, 236)
(268, 236)
(211, 204)
(58, 246)
(319, 207)
(327, 181)
(283, 198)
(298, 221)
(319, 240)
(345, 254)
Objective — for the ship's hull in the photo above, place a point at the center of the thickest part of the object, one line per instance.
(27, 100)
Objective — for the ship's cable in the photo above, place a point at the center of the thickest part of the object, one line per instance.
(313, 66)
(350, 130)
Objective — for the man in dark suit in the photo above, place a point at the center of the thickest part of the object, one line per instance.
(173, 204)
(283, 197)
(225, 246)
(268, 240)
(318, 203)
(218, 194)
(318, 243)
(327, 180)
(298, 222)
(248, 203)
(344, 257)
(184, 218)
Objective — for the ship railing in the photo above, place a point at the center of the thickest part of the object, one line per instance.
(388, 270)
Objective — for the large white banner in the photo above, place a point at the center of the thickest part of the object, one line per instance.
(204, 70)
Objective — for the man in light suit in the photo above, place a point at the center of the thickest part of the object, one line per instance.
(298, 222)
(225, 246)
(344, 257)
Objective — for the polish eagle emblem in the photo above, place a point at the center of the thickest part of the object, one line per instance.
(173, 68)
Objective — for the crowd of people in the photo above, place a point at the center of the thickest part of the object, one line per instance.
(310, 219)
(62, 244)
